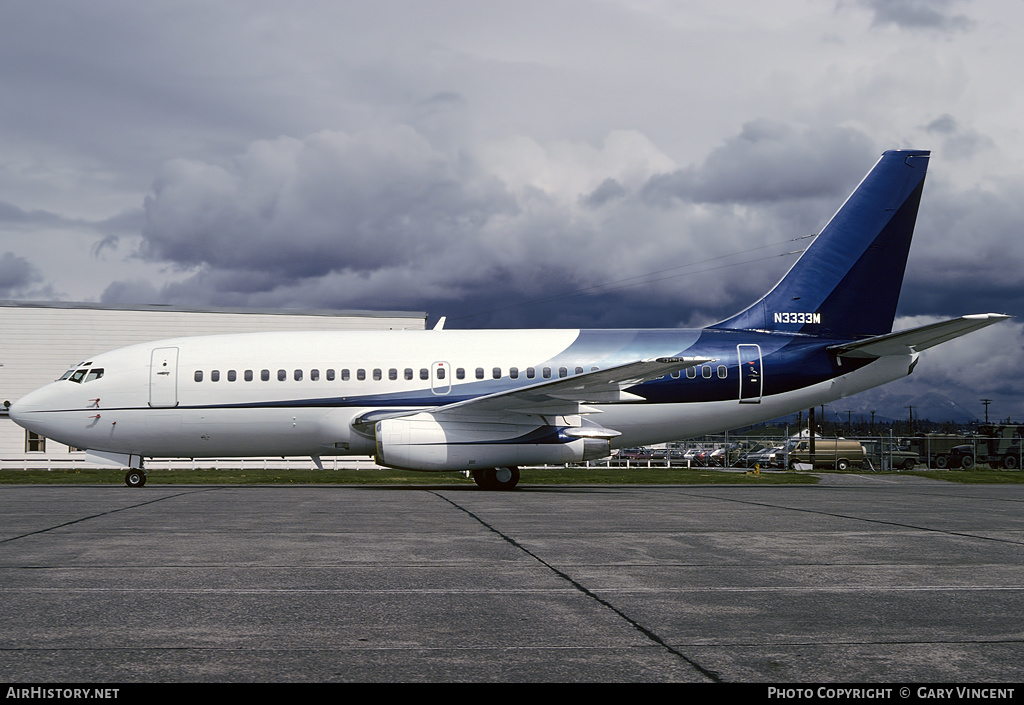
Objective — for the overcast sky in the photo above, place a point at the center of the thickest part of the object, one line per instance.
(608, 163)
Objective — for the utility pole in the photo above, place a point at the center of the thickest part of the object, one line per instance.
(810, 429)
(986, 402)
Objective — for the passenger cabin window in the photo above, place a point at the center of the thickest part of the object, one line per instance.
(232, 375)
(460, 373)
(198, 376)
(530, 373)
(265, 375)
(282, 375)
(496, 373)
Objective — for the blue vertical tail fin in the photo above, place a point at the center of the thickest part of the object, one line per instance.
(847, 283)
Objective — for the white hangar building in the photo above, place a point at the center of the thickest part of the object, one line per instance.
(39, 342)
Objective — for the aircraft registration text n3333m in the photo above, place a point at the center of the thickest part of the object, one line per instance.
(491, 401)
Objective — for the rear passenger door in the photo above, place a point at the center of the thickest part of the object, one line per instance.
(751, 377)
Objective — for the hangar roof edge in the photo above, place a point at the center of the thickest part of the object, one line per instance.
(171, 308)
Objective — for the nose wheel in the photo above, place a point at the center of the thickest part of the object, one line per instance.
(135, 478)
(496, 478)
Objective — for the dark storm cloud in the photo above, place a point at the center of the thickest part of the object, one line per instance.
(385, 220)
(769, 161)
(330, 202)
(968, 253)
(17, 275)
(958, 142)
(9, 213)
(609, 190)
(918, 14)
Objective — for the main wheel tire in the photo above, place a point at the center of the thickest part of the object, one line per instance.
(135, 478)
(496, 478)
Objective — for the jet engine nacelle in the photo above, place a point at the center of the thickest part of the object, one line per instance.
(423, 443)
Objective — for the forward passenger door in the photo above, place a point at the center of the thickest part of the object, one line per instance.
(163, 378)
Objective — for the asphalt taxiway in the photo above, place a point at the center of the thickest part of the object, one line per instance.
(858, 579)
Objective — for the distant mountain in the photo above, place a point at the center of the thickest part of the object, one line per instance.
(930, 405)
(893, 406)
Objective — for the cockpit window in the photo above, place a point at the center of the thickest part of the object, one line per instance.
(83, 375)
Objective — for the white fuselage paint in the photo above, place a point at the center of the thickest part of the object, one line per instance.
(132, 409)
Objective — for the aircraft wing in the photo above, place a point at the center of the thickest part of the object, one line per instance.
(916, 339)
(558, 396)
(564, 395)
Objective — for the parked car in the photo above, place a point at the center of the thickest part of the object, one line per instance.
(884, 454)
(760, 456)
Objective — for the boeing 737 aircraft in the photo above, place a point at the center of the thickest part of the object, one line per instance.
(490, 401)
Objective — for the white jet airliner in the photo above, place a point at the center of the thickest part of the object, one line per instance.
(490, 401)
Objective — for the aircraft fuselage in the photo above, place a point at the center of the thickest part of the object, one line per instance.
(299, 393)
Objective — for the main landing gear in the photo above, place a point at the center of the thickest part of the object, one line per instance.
(496, 478)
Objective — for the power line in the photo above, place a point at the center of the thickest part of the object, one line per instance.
(644, 278)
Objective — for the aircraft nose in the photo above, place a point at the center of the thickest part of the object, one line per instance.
(16, 411)
(21, 410)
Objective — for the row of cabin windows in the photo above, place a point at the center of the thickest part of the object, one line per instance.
(705, 371)
(377, 374)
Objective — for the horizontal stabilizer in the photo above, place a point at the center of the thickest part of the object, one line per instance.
(916, 339)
